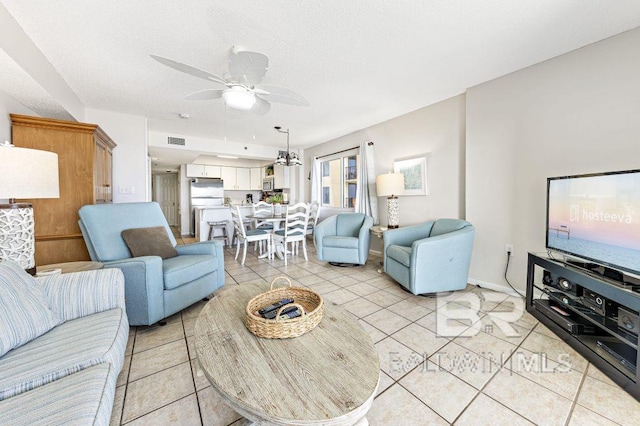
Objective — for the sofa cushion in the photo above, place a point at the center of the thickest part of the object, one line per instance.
(341, 242)
(152, 241)
(400, 254)
(83, 398)
(444, 226)
(67, 349)
(186, 268)
(24, 312)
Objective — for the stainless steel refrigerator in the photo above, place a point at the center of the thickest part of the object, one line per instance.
(204, 193)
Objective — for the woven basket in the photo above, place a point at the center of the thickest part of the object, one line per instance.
(277, 328)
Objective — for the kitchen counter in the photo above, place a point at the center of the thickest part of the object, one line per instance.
(216, 214)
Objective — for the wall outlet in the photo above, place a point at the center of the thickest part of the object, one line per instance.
(126, 190)
(509, 249)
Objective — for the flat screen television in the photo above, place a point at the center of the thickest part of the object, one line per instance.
(596, 217)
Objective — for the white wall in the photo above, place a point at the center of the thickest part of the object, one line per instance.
(213, 146)
(577, 113)
(437, 130)
(130, 164)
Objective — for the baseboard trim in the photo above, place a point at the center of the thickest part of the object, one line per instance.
(493, 286)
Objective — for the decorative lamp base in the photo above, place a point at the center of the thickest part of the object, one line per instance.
(393, 213)
(17, 240)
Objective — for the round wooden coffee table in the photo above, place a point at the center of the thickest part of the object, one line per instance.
(327, 376)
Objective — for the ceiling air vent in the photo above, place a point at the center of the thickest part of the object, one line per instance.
(176, 141)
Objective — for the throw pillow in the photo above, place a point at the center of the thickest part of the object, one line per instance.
(153, 241)
(24, 312)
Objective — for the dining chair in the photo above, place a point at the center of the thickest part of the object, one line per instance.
(314, 212)
(261, 208)
(248, 236)
(294, 229)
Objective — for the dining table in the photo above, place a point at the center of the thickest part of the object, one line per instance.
(275, 220)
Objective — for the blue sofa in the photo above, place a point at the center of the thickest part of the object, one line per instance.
(64, 373)
(344, 238)
(154, 288)
(431, 257)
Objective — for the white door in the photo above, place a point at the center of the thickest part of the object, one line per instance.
(166, 194)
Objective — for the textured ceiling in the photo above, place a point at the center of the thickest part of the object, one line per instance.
(357, 62)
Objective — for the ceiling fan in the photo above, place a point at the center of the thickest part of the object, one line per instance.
(243, 89)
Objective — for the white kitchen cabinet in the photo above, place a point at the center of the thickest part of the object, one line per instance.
(243, 178)
(280, 176)
(256, 175)
(202, 170)
(212, 171)
(228, 175)
(195, 170)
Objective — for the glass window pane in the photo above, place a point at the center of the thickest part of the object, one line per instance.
(340, 181)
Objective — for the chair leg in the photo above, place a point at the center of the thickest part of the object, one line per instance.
(284, 247)
(237, 248)
(244, 252)
(304, 249)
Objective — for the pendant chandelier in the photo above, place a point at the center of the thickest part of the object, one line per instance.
(287, 158)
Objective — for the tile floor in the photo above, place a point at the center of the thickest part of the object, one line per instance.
(478, 374)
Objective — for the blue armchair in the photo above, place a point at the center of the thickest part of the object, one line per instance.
(431, 257)
(344, 238)
(154, 288)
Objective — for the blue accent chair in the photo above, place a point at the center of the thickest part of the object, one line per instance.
(344, 238)
(431, 257)
(154, 288)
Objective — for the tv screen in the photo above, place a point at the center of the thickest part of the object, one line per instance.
(596, 217)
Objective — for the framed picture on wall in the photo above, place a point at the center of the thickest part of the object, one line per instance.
(414, 170)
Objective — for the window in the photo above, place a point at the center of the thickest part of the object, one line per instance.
(325, 169)
(340, 180)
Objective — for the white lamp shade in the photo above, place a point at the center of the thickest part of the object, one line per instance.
(238, 97)
(28, 173)
(390, 184)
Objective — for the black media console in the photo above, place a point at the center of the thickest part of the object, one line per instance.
(594, 314)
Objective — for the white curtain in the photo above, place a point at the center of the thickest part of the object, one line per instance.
(366, 199)
(316, 181)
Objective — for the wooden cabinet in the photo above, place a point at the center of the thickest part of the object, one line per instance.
(85, 174)
(202, 170)
(103, 171)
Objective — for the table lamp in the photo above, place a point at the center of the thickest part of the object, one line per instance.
(24, 173)
(391, 185)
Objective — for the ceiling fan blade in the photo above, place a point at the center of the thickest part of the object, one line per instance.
(280, 94)
(188, 69)
(261, 107)
(248, 67)
(204, 95)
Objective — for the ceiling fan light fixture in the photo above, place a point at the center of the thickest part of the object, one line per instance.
(238, 97)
